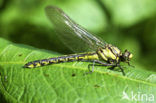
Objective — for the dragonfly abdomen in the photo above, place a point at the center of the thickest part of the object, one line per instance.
(67, 58)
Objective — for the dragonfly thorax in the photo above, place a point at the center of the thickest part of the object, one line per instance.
(109, 53)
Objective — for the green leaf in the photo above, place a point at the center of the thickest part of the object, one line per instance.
(66, 82)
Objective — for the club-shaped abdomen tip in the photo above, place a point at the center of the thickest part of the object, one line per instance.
(28, 65)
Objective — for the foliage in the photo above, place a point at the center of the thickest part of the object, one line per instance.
(127, 24)
(66, 82)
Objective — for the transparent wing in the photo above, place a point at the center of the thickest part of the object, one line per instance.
(73, 36)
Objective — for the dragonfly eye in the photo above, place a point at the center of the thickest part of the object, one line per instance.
(126, 56)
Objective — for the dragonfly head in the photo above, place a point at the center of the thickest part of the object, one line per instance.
(126, 56)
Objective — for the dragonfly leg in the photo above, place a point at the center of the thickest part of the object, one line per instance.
(99, 63)
(131, 65)
(92, 67)
(90, 71)
(121, 69)
(113, 66)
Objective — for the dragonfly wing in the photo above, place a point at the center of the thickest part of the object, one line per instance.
(73, 35)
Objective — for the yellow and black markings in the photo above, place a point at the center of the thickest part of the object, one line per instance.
(67, 58)
(103, 54)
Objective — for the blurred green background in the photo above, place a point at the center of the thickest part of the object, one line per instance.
(127, 24)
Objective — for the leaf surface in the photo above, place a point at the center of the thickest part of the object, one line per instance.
(66, 82)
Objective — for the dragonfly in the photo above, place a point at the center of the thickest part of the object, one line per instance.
(87, 47)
